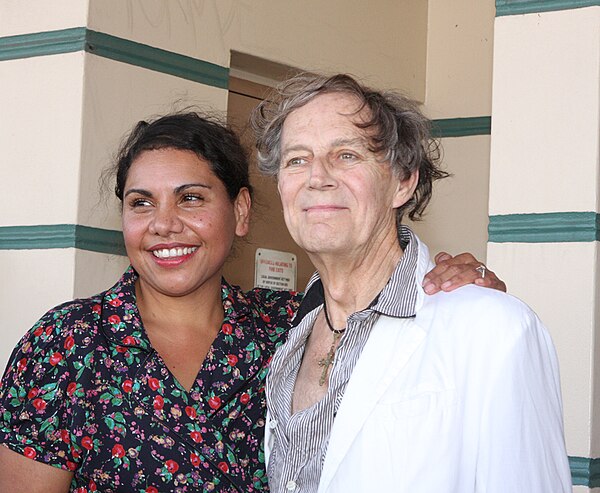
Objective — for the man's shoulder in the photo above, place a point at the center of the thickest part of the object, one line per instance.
(472, 309)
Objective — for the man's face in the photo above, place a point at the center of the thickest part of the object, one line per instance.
(338, 196)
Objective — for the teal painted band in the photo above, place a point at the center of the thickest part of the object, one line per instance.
(42, 237)
(114, 48)
(42, 44)
(552, 227)
(462, 127)
(517, 7)
(585, 472)
(159, 60)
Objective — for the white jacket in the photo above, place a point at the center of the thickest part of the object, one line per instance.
(463, 398)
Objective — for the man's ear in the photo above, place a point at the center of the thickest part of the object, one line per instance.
(241, 208)
(406, 189)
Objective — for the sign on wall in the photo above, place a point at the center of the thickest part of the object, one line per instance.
(275, 269)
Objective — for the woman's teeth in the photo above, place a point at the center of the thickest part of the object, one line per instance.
(173, 252)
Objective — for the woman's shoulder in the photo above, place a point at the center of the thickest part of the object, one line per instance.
(275, 304)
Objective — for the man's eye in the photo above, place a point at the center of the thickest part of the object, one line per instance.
(296, 161)
(347, 156)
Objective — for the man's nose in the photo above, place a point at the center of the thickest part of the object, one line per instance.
(321, 174)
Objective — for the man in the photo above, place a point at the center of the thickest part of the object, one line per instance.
(379, 387)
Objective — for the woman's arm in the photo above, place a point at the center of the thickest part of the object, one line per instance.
(453, 272)
(18, 474)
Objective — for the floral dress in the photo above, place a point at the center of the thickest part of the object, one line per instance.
(86, 392)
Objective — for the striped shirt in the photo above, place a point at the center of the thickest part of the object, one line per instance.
(301, 439)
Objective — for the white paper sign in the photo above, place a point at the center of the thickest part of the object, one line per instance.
(275, 269)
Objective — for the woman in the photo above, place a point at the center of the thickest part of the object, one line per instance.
(156, 384)
(174, 403)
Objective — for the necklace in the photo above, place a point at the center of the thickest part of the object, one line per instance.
(327, 361)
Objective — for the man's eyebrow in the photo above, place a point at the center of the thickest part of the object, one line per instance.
(361, 141)
(294, 148)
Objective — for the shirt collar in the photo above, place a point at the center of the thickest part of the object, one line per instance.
(121, 320)
(399, 296)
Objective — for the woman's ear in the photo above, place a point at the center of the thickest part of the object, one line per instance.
(241, 206)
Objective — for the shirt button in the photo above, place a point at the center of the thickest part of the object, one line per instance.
(291, 485)
(273, 424)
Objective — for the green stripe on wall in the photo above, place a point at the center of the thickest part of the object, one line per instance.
(462, 127)
(114, 48)
(42, 237)
(585, 472)
(516, 7)
(41, 44)
(552, 227)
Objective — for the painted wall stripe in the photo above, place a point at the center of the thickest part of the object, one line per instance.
(552, 227)
(517, 7)
(42, 237)
(41, 44)
(157, 59)
(462, 127)
(114, 48)
(585, 472)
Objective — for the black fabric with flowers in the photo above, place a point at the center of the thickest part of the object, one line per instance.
(85, 391)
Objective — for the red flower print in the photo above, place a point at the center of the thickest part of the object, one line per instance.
(96, 309)
(39, 404)
(214, 402)
(154, 383)
(29, 453)
(190, 411)
(265, 317)
(172, 466)
(115, 302)
(129, 340)
(122, 349)
(80, 490)
(223, 466)
(38, 332)
(22, 364)
(158, 403)
(227, 329)
(151, 489)
(232, 359)
(118, 451)
(245, 398)
(55, 359)
(114, 319)
(71, 388)
(71, 466)
(93, 486)
(127, 385)
(69, 342)
(64, 436)
(87, 443)
(196, 436)
(32, 393)
(195, 459)
(49, 330)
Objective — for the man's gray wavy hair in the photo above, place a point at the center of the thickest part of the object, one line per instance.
(397, 130)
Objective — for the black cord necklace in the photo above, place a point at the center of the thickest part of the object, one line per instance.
(327, 361)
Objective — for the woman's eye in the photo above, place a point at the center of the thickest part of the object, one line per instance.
(139, 202)
(192, 197)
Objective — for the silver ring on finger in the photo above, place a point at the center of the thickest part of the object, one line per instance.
(482, 270)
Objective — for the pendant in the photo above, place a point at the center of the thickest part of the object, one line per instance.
(327, 361)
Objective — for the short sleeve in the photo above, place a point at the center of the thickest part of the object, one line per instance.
(36, 390)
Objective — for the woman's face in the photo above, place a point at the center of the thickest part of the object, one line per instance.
(179, 222)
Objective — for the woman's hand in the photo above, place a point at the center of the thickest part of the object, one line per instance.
(451, 272)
